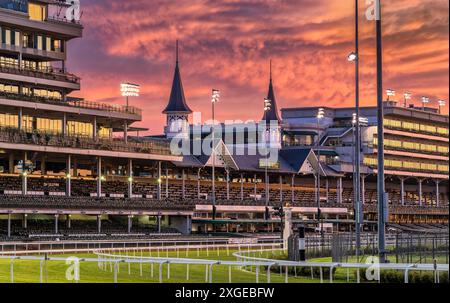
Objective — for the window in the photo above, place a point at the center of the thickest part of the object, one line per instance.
(53, 126)
(39, 42)
(83, 129)
(36, 11)
(9, 120)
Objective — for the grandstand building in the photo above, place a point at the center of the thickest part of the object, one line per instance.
(68, 162)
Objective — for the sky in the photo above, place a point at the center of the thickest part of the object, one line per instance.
(227, 44)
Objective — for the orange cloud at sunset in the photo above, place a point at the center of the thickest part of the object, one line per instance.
(227, 44)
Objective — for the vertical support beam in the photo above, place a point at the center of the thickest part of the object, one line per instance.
(339, 190)
(11, 163)
(130, 178)
(242, 187)
(327, 189)
(363, 189)
(99, 223)
(254, 181)
(43, 166)
(167, 182)
(437, 193)
(158, 219)
(24, 176)
(125, 131)
(68, 176)
(292, 189)
(20, 119)
(64, 125)
(99, 177)
(9, 225)
(402, 191)
(159, 181)
(69, 221)
(25, 221)
(198, 183)
(130, 222)
(420, 191)
(281, 188)
(56, 223)
(183, 185)
(228, 183)
(95, 131)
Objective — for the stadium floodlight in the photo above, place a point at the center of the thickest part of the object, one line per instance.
(320, 113)
(441, 103)
(390, 93)
(363, 121)
(267, 104)
(352, 57)
(406, 96)
(129, 90)
(425, 100)
(215, 95)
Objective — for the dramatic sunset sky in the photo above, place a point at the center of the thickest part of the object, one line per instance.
(227, 44)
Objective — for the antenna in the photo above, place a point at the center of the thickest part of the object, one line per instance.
(271, 70)
(177, 52)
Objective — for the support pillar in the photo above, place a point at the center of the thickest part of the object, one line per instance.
(292, 189)
(56, 223)
(20, 119)
(99, 177)
(327, 190)
(68, 176)
(242, 187)
(69, 221)
(281, 188)
(9, 225)
(43, 166)
(125, 131)
(437, 193)
(183, 185)
(158, 219)
(228, 183)
(95, 131)
(25, 221)
(198, 183)
(167, 183)
(130, 178)
(159, 181)
(402, 191)
(420, 191)
(64, 125)
(363, 189)
(99, 223)
(130, 222)
(255, 191)
(339, 190)
(24, 176)
(11, 163)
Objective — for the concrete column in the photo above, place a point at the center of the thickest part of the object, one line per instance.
(20, 119)
(125, 131)
(56, 223)
(9, 225)
(254, 181)
(183, 185)
(159, 181)
(242, 187)
(25, 221)
(130, 222)
(339, 190)
(95, 131)
(11, 163)
(99, 223)
(68, 176)
(69, 221)
(292, 189)
(420, 191)
(198, 183)
(327, 190)
(43, 166)
(64, 125)
(437, 193)
(158, 219)
(402, 191)
(281, 188)
(99, 177)
(363, 189)
(167, 183)
(130, 178)
(228, 183)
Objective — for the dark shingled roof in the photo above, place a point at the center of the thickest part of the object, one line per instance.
(272, 113)
(177, 100)
(295, 157)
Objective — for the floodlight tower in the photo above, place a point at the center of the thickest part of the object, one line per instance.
(320, 116)
(215, 95)
(390, 93)
(406, 96)
(128, 90)
(441, 103)
(425, 100)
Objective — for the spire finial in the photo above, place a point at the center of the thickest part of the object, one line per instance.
(270, 70)
(177, 52)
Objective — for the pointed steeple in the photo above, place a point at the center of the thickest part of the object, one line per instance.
(177, 100)
(272, 113)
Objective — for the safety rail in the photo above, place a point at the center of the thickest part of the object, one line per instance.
(50, 74)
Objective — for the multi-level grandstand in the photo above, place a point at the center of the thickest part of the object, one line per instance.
(69, 165)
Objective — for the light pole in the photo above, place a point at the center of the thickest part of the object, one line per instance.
(267, 106)
(441, 103)
(425, 100)
(214, 99)
(354, 57)
(381, 190)
(406, 96)
(390, 93)
(320, 115)
(128, 90)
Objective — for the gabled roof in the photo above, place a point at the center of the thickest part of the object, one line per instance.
(272, 113)
(302, 160)
(177, 100)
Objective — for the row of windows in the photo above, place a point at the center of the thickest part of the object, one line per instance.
(45, 93)
(30, 40)
(26, 64)
(53, 126)
(413, 145)
(408, 165)
(417, 127)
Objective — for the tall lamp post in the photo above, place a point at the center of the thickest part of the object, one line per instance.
(320, 115)
(441, 104)
(425, 100)
(267, 106)
(214, 99)
(128, 90)
(381, 190)
(406, 96)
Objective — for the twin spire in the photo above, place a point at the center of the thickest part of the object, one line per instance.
(177, 101)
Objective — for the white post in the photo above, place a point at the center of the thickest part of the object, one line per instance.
(99, 177)
(420, 191)
(130, 178)
(167, 182)
(242, 187)
(402, 191)
(228, 183)
(68, 176)
(56, 223)
(183, 186)
(363, 189)
(437, 193)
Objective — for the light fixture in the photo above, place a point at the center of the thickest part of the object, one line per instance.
(390, 93)
(102, 178)
(267, 104)
(159, 180)
(24, 174)
(129, 89)
(68, 176)
(441, 103)
(215, 95)
(425, 99)
(320, 113)
(352, 57)
(130, 179)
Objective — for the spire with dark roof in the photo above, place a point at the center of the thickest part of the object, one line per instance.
(272, 113)
(177, 100)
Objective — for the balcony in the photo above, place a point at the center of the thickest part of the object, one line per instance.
(75, 103)
(158, 147)
(51, 74)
